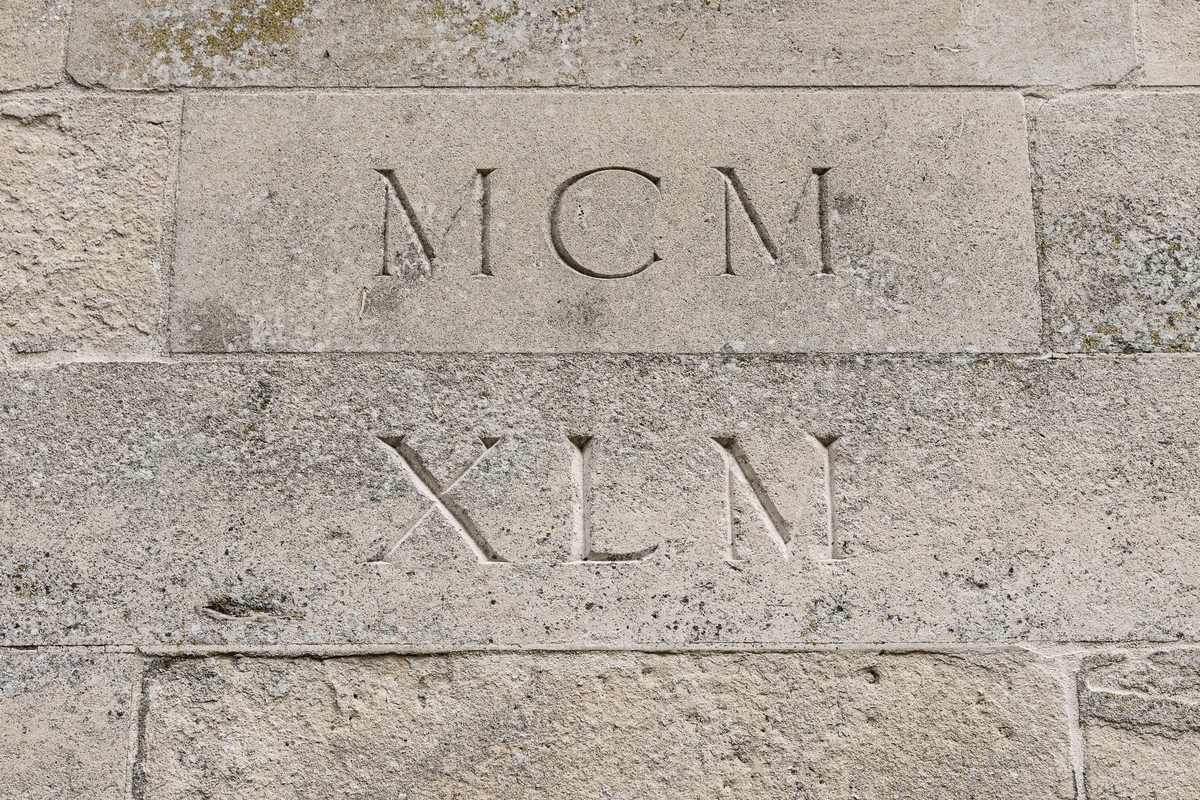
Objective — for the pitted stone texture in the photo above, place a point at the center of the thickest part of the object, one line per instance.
(977, 500)
(1170, 42)
(1141, 722)
(66, 721)
(32, 34)
(620, 725)
(82, 185)
(290, 238)
(1119, 197)
(161, 43)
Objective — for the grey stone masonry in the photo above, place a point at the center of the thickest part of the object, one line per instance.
(141, 44)
(560, 501)
(544, 399)
(476, 221)
(803, 725)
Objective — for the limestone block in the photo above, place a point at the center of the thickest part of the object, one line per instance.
(620, 725)
(162, 43)
(66, 720)
(1141, 719)
(1119, 197)
(470, 501)
(82, 191)
(1170, 42)
(32, 39)
(628, 221)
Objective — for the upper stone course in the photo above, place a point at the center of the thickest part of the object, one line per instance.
(165, 43)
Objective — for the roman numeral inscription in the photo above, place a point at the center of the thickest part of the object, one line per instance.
(581, 470)
(734, 189)
(403, 252)
(440, 500)
(740, 477)
(408, 249)
(638, 221)
(556, 223)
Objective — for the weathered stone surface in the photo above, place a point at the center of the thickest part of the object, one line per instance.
(1141, 719)
(621, 725)
(32, 34)
(976, 500)
(143, 43)
(295, 229)
(82, 191)
(1119, 177)
(1170, 31)
(66, 721)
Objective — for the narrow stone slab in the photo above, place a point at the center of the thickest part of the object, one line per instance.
(1141, 720)
(465, 502)
(1119, 195)
(1170, 37)
(162, 43)
(32, 43)
(82, 191)
(538, 725)
(632, 221)
(66, 720)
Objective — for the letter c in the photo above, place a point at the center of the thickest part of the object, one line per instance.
(556, 238)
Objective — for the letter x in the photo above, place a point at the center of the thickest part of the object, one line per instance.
(430, 487)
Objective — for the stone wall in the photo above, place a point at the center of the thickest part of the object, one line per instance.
(647, 398)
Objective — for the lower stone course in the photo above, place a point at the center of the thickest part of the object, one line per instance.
(611, 725)
(66, 718)
(1141, 718)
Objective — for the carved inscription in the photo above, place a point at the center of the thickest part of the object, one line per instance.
(421, 253)
(581, 548)
(614, 222)
(734, 189)
(738, 469)
(824, 447)
(740, 479)
(440, 500)
(556, 212)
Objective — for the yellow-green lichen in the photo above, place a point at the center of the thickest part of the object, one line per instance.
(204, 47)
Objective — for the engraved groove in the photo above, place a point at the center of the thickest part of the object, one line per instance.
(581, 545)
(432, 490)
(556, 241)
(737, 467)
(824, 445)
(823, 214)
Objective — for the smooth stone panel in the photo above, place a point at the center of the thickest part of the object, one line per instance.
(1119, 201)
(1141, 719)
(66, 723)
(1170, 38)
(260, 502)
(619, 725)
(83, 184)
(32, 43)
(891, 221)
(163, 43)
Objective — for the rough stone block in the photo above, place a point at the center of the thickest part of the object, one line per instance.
(82, 192)
(1119, 197)
(162, 43)
(32, 39)
(1170, 42)
(66, 722)
(1141, 720)
(620, 725)
(458, 501)
(632, 221)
